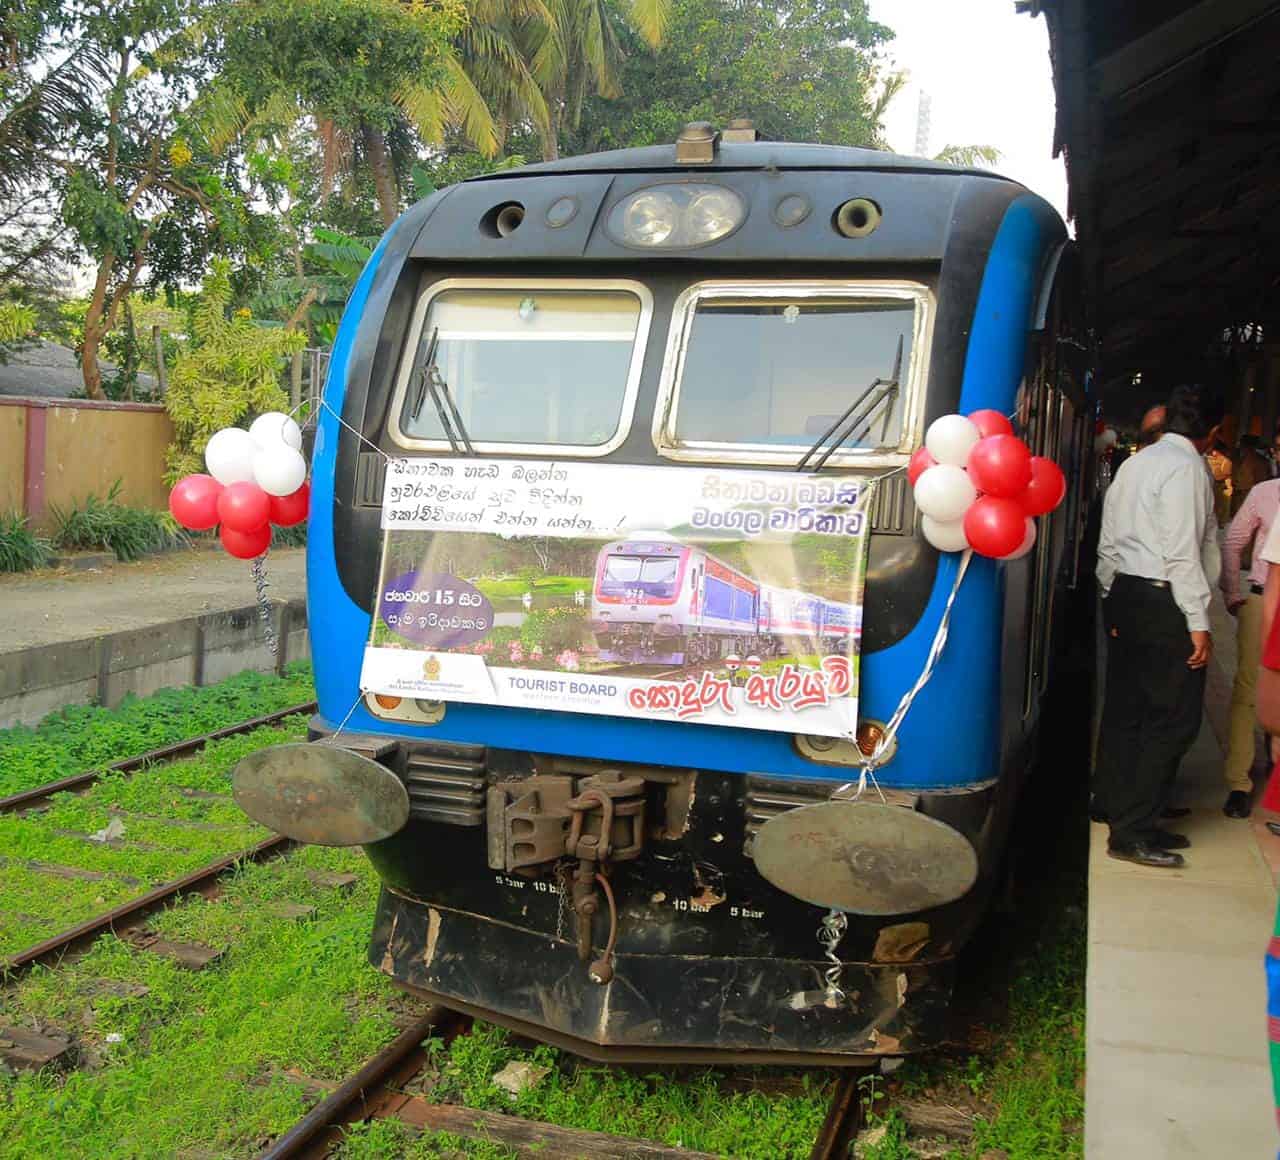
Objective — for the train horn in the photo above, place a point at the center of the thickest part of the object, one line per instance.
(508, 219)
(857, 217)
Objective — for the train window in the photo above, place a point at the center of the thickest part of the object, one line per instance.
(533, 365)
(757, 373)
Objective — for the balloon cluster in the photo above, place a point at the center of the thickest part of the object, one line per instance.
(256, 478)
(978, 486)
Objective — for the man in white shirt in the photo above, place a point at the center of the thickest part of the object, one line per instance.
(1158, 536)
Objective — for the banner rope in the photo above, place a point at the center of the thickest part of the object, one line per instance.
(877, 756)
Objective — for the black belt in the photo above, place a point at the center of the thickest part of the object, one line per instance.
(1256, 589)
(1143, 580)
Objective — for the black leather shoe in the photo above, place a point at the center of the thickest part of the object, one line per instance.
(1175, 812)
(1237, 804)
(1168, 840)
(1147, 854)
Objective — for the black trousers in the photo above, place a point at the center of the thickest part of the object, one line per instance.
(1151, 713)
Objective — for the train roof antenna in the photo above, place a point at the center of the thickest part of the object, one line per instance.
(861, 411)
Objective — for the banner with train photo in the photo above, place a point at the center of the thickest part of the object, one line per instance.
(667, 593)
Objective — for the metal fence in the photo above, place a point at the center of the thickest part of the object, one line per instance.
(307, 374)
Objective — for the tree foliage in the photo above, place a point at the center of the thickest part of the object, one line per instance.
(229, 373)
(802, 70)
(362, 69)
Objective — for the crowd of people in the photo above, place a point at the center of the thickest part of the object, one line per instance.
(1158, 561)
(1159, 558)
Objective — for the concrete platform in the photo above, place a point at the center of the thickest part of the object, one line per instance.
(182, 618)
(1176, 1028)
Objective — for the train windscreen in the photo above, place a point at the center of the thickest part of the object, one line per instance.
(532, 368)
(639, 575)
(776, 373)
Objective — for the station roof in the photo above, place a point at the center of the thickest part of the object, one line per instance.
(1169, 121)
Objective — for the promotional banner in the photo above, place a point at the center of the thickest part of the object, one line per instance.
(668, 593)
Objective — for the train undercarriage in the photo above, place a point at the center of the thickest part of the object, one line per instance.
(619, 912)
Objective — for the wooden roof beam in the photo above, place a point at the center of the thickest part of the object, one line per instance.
(1174, 43)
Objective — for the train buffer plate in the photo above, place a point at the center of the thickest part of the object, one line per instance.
(865, 857)
(321, 794)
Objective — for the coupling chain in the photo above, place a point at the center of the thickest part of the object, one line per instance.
(562, 878)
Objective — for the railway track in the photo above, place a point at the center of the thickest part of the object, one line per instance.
(377, 1091)
(39, 795)
(82, 934)
(130, 912)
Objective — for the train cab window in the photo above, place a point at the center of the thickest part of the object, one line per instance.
(526, 365)
(759, 373)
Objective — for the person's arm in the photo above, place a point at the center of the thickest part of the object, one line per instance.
(1183, 519)
(1271, 590)
(1270, 600)
(1106, 567)
(1241, 531)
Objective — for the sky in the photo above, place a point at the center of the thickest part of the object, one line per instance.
(986, 69)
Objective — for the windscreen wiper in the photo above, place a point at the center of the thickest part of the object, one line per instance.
(431, 382)
(857, 416)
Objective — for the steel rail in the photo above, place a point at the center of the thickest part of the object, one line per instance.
(29, 797)
(844, 1118)
(52, 949)
(339, 1105)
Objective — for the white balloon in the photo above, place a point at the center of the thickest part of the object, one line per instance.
(944, 492)
(279, 470)
(950, 438)
(229, 455)
(946, 536)
(1028, 542)
(274, 427)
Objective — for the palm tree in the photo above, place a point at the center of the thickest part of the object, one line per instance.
(969, 156)
(580, 51)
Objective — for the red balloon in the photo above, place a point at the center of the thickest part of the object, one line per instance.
(1047, 487)
(1000, 465)
(991, 422)
(193, 502)
(920, 462)
(995, 526)
(245, 545)
(287, 510)
(244, 507)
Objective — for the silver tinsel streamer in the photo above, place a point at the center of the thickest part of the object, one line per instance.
(264, 603)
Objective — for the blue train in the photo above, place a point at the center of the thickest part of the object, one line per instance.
(592, 880)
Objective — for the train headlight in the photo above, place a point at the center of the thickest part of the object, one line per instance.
(649, 219)
(676, 216)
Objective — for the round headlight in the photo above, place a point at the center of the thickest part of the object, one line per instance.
(676, 215)
(649, 218)
(713, 214)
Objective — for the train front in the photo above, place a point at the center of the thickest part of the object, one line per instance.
(521, 559)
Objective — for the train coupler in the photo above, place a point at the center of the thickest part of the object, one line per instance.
(541, 822)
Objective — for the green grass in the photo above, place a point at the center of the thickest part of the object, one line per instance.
(204, 1060)
(167, 851)
(20, 548)
(83, 737)
(513, 587)
(127, 531)
(688, 1108)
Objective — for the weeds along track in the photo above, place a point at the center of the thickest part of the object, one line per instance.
(102, 854)
(383, 1090)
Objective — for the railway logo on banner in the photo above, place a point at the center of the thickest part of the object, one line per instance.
(667, 593)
